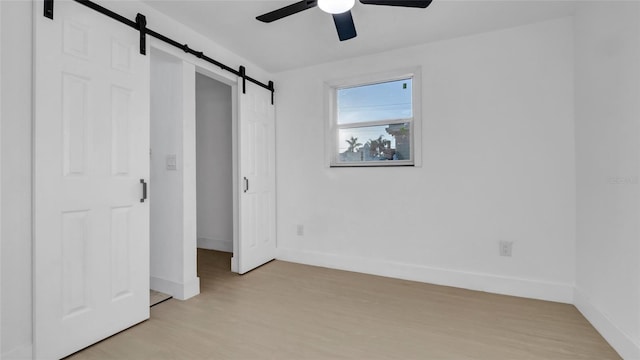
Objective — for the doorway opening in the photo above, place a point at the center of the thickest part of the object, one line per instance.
(192, 187)
(214, 164)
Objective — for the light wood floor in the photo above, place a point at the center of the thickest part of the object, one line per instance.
(156, 297)
(290, 311)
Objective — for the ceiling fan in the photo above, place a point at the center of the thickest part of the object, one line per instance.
(341, 11)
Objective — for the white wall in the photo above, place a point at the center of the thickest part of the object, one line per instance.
(16, 106)
(173, 243)
(607, 38)
(498, 164)
(214, 164)
(16, 32)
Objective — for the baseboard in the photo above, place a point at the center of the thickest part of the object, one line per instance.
(214, 244)
(624, 344)
(550, 291)
(20, 353)
(180, 291)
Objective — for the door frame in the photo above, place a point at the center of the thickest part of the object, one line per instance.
(211, 71)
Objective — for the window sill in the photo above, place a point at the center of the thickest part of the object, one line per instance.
(394, 163)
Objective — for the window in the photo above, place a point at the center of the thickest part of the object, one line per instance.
(374, 122)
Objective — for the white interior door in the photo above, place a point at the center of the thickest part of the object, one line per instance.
(257, 235)
(91, 138)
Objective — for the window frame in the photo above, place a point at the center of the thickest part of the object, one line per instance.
(332, 126)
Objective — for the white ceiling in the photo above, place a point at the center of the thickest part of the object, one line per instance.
(309, 37)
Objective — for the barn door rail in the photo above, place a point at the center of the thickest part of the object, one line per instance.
(140, 24)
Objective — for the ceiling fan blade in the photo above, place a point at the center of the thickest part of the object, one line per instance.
(403, 3)
(287, 10)
(345, 26)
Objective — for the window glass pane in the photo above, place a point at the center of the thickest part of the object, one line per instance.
(375, 143)
(383, 101)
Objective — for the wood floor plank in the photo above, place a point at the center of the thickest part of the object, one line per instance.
(291, 311)
(156, 297)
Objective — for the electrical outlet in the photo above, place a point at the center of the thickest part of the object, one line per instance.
(505, 248)
(300, 230)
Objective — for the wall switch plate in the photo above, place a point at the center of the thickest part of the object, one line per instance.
(506, 248)
(172, 162)
(300, 230)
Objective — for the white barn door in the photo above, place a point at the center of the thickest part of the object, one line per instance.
(257, 235)
(91, 137)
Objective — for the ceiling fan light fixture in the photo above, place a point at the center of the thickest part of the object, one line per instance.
(336, 6)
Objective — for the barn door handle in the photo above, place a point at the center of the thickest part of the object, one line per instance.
(144, 190)
(246, 184)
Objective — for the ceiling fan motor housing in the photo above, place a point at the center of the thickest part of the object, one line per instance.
(336, 6)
